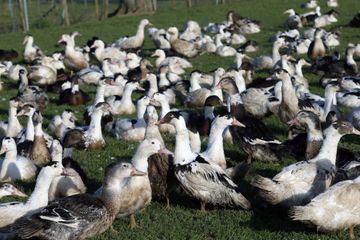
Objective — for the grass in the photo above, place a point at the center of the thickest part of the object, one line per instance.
(183, 221)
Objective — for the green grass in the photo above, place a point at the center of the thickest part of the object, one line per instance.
(184, 221)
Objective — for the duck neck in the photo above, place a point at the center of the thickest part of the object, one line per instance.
(153, 87)
(112, 193)
(209, 112)
(38, 130)
(238, 60)
(313, 133)
(215, 147)
(182, 143)
(95, 125)
(288, 94)
(160, 59)
(240, 81)
(140, 160)
(39, 197)
(165, 107)
(126, 98)
(141, 109)
(13, 121)
(99, 50)
(330, 95)
(350, 58)
(163, 81)
(56, 157)
(30, 129)
(140, 32)
(194, 84)
(100, 93)
(275, 53)
(329, 148)
(298, 70)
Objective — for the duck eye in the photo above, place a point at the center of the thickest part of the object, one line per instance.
(153, 142)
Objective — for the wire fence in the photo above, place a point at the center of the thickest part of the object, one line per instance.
(48, 13)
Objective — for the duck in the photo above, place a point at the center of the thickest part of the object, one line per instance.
(99, 97)
(124, 105)
(139, 73)
(332, 3)
(192, 31)
(63, 186)
(222, 50)
(355, 21)
(31, 51)
(197, 96)
(182, 47)
(160, 38)
(61, 123)
(26, 136)
(46, 73)
(298, 183)
(293, 21)
(12, 71)
(340, 68)
(73, 95)
(310, 4)
(12, 126)
(15, 167)
(132, 129)
(80, 216)
(135, 42)
(317, 47)
(176, 64)
(90, 75)
(194, 172)
(91, 138)
(268, 62)
(74, 60)
(326, 19)
(101, 52)
(38, 199)
(348, 99)
(160, 99)
(8, 189)
(256, 139)
(333, 210)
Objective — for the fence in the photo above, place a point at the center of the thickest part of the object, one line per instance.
(22, 15)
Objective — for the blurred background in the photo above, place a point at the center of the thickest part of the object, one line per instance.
(26, 15)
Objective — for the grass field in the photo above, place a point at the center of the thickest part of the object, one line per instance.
(184, 220)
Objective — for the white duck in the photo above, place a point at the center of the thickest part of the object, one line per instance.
(12, 126)
(268, 62)
(176, 64)
(134, 42)
(10, 190)
(15, 167)
(74, 59)
(31, 51)
(334, 210)
(223, 50)
(102, 52)
(124, 104)
(63, 186)
(298, 183)
(132, 129)
(10, 212)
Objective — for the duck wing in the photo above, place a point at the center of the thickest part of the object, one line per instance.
(73, 216)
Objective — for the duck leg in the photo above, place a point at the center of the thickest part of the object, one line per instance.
(132, 223)
(351, 232)
(113, 230)
(167, 203)
(248, 160)
(202, 204)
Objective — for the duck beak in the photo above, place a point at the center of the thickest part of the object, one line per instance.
(154, 55)
(293, 122)
(3, 150)
(164, 150)
(20, 113)
(237, 123)
(66, 172)
(355, 131)
(307, 64)
(18, 193)
(150, 24)
(140, 89)
(135, 172)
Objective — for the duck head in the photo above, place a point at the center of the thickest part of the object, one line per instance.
(345, 127)
(226, 121)
(52, 170)
(104, 107)
(16, 102)
(305, 119)
(213, 101)
(8, 144)
(120, 170)
(56, 148)
(10, 190)
(228, 85)
(170, 116)
(26, 110)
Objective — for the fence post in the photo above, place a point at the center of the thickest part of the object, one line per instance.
(26, 17)
(188, 3)
(11, 10)
(105, 9)
(66, 13)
